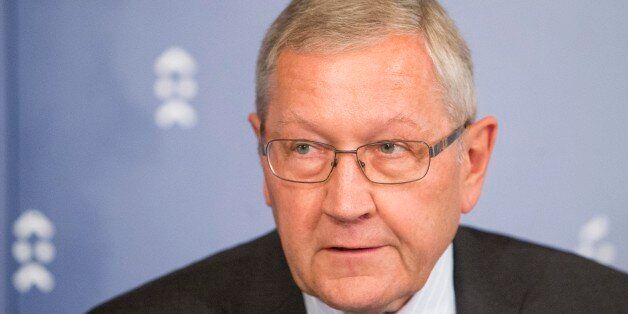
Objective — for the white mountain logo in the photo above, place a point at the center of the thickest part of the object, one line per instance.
(591, 242)
(32, 249)
(175, 87)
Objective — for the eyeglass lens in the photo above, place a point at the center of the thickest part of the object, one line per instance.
(382, 162)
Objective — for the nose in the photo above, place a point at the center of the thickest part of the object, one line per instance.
(348, 198)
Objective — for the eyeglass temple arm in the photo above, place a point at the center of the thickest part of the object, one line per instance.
(442, 144)
(261, 149)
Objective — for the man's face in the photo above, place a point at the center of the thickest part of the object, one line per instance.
(356, 244)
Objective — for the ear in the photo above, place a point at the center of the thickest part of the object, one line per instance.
(479, 141)
(255, 122)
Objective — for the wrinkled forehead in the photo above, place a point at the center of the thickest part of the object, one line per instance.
(392, 80)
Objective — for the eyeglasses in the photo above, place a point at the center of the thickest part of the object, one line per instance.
(383, 162)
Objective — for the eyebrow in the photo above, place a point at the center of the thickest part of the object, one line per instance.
(399, 118)
(296, 118)
(403, 118)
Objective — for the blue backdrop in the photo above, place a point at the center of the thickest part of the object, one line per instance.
(125, 151)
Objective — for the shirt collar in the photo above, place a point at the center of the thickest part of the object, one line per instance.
(436, 296)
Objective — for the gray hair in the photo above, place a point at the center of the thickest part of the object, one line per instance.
(341, 25)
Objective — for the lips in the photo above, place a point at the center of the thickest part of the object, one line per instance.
(358, 249)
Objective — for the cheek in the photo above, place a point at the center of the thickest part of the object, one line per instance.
(423, 215)
(295, 206)
(297, 212)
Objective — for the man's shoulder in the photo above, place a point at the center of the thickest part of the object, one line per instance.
(516, 254)
(492, 272)
(208, 285)
(534, 277)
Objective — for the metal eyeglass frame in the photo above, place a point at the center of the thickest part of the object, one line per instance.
(434, 150)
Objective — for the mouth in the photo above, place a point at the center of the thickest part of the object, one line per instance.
(356, 250)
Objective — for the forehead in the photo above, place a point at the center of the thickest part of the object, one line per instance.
(390, 81)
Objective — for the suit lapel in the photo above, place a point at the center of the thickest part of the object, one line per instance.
(272, 289)
(487, 277)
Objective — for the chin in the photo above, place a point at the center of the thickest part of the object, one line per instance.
(356, 294)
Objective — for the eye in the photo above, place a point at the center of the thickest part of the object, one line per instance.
(387, 148)
(302, 148)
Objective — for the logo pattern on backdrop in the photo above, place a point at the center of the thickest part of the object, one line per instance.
(32, 250)
(175, 87)
(591, 242)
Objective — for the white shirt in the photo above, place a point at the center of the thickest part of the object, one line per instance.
(437, 296)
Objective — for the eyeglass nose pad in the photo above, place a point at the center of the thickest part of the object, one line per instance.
(334, 163)
(361, 163)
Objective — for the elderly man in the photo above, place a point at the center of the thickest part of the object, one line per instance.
(371, 152)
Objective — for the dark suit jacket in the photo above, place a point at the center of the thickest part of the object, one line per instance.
(492, 274)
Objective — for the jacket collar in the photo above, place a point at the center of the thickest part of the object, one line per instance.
(270, 289)
(490, 276)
